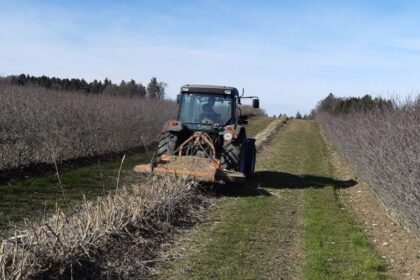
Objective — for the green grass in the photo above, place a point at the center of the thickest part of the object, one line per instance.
(293, 227)
(336, 247)
(238, 242)
(25, 198)
(227, 253)
(257, 124)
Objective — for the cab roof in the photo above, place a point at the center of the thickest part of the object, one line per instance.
(209, 89)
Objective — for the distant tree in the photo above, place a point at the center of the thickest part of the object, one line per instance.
(298, 115)
(328, 104)
(162, 87)
(21, 80)
(141, 91)
(312, 114)
(111, 89)
(337, 105)
(153, 88)
(96, 87)
(131, 88)
(135, 90)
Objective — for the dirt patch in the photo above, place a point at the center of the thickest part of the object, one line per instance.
(400, 248)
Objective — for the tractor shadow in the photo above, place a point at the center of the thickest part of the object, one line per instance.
(276, 180)
(236, 190)
(283, 180)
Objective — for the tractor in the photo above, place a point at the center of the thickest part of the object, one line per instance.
(208, 139)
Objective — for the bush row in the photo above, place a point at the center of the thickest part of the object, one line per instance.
(113, 237)
(39, 125)
(249, 111)
(383, 146)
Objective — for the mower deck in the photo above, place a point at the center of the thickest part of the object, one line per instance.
(203, 169)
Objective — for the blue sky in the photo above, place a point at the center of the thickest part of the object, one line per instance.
(290, 53)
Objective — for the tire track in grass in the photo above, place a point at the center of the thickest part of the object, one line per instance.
(286, 224)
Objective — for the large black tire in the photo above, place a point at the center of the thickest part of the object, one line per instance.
(167, 144)
(250, 157)
(231, 157)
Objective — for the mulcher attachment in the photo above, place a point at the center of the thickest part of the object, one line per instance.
(195, 157)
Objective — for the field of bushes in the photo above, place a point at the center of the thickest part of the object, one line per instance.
(383, 145)
(39, 125)
(42, 125)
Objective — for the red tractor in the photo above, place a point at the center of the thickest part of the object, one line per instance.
(208, 139)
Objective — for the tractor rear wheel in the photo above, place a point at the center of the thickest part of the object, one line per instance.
(231, 157)
(250, 157)
(167, 144)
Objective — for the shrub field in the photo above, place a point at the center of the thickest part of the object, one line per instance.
(383, 145)
(42, 126)
(247, 110)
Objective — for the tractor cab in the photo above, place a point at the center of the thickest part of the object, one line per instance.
(207, 107)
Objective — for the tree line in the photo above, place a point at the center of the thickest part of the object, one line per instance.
(339, 105)
(154, 88)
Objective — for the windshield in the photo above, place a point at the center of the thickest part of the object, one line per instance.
(204, 108)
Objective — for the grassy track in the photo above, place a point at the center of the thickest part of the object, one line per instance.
(257, 124)
(286, 224)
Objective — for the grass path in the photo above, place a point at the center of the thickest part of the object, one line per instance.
(256, 125)
(286, 224)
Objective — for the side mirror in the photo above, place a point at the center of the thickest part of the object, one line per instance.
(178, 99)
(255, 103)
